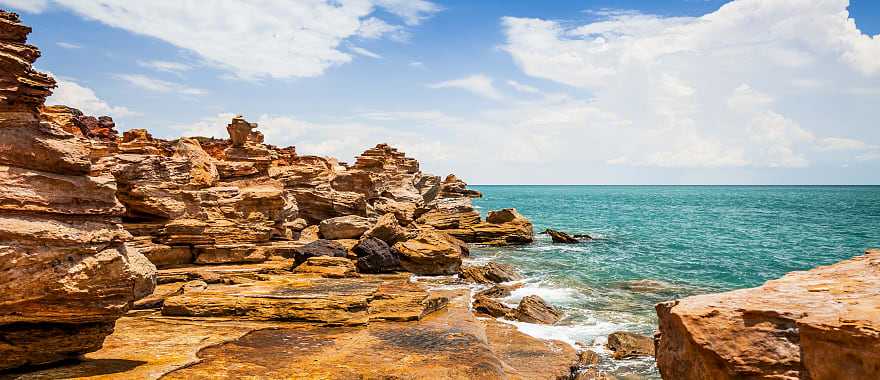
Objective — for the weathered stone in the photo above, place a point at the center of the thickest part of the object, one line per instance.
(534, 309)
(803, 325)
(493, 308)
(387, 229)
(491, 273)
(375, 256)
(430, 252)
(318, 248)
(229, 253)
(625, 344)
(560, 237)
(328, 266)
(499, 291)
(344, 227)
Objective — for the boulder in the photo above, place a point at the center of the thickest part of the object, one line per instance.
(430, 252)
(387, 229)
(534, 309)
(344, 227)
(328, 266)
(560, 237)
(491, 273)
(816, 324)
(626, 345)
(491, 307)
(318, 248)
(375, 256)
(499, 291)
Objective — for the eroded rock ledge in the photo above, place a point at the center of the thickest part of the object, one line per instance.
(819, 324)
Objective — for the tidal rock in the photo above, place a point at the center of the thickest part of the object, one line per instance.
(375, 256)
(491, 307)
(344, 227)
(491, 273)
(499, 291)
(534, 309)
(430, 252)
(560, 237)
(318, 248)
(626, 345)
(387, 229)
(818, 324)
(328, 266)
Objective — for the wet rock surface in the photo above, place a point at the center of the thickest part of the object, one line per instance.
(491, 273)
(625, 345)
(534, 309)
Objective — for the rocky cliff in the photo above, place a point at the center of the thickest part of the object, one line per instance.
(67, 271)
(820, 324)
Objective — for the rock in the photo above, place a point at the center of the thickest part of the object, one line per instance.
(430, 252)
(242, 132)
(318, 248)
(499, 291)
(803, 325)
(309, 234)
(493, 308)
(229, 253)
(328, 266)
(450, 213)
(587, 358)
(533, 309)
(491, 273)
(202, 169)
(503, 227)
(344, 227)
(374, 256)
(453, 187)
(387, 229)
(560, 237)
(66, 272)
(626, 345)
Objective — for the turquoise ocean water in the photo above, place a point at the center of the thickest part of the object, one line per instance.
(685, 240)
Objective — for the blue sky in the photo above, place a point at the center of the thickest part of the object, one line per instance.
(585, 92)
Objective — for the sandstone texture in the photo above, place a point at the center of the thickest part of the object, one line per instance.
(67, 271)
(819, 324)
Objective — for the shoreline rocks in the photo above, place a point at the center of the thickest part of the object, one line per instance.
(803, 325)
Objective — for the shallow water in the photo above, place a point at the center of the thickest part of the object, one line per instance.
(686, 239)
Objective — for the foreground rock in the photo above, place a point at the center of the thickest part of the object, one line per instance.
(819, 324)
(534, 309)
(446, 344)
(66, 273)
(375, 256)
(430, 252)
(626, 345)
(344, 227)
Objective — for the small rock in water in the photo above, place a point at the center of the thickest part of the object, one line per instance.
(534, 309)
(645, 285)
(499, 291)
(626, 345)
(560, 237)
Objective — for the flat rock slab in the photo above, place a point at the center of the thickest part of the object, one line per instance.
(448, 344)
(222, 273)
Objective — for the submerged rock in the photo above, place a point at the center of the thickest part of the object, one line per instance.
(560, 237)
(534, 309)
(625, 345)
(818, 324)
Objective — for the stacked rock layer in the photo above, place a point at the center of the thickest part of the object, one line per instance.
(66, 270)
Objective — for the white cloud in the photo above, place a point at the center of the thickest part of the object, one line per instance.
(68, 45)
(726, 89)
(158, 85)
(523, 87)
(256, 39)
(30, 6)
(71, 94)
(365, 52)
(478, 84)
(417, 64)
(165, 66)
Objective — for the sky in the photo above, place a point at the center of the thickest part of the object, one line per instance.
(495, 91)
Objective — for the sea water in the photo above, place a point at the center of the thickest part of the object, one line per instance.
(657, 243)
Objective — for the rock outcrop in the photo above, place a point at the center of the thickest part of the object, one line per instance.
(66, 271)
(491, 273)
(624, 344)
(818, 324)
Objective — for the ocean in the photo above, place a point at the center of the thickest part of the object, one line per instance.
(657, 243)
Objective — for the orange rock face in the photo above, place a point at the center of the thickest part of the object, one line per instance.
(67, 271)
(820, 324)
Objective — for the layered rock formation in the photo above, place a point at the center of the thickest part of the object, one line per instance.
(66, 270)
(820, 324)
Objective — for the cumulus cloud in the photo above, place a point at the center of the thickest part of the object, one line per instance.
(72, 94)
(158, 85)
(727, 89)
(253, 39)
(479, 84)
